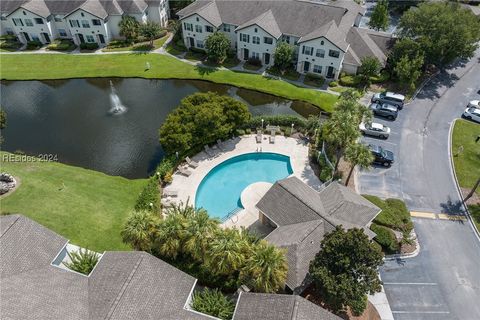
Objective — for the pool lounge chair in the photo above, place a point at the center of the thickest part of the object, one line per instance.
(167, 203)
(220, 144)
(272, 138)
(169, 193)
(258, 137)
(184, 171)
(191, 163)
(208, 151)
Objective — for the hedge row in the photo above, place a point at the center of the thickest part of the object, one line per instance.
(386, 238)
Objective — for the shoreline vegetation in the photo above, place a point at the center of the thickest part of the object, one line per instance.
(134, 65)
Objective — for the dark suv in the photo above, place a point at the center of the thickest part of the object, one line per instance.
(385, 110)
(382, 156)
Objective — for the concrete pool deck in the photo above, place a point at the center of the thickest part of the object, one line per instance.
(296, 149)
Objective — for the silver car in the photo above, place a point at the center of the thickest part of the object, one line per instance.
(375, 129)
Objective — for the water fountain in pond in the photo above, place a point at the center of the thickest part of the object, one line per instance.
(116, 104)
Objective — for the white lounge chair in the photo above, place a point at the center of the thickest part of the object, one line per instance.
(220, 144)
(208, 151)
(166, 202)
(191, 163)
(272, 138)
(170, 193)
(184, 171)
(258, 137)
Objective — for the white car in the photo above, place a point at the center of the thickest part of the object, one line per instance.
(375, 129)
(472, 114)
(474, 104)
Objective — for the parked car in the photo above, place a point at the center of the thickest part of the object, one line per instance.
(375, 129)
(385, 110)
(472, 114)
(381, 156)
(392, 98)
(474, 104)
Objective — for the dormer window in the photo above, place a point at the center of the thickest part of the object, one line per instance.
(198, 19)
(321, 42)
(81, 13)
(24, 13)
(256, 30)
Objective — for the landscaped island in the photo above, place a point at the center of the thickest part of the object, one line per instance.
(45, 66)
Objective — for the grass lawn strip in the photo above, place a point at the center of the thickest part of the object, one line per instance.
(45, 66)
(85, 206)
(140, 46)
(466, 163)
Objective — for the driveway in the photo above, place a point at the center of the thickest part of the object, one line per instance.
(443, 281)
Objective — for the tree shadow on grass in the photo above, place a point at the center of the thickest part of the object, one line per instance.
(204, 70)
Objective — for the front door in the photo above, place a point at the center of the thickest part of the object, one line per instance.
(192, 42)
(306, 66)
(47, 38)
(25, 35)
(80, 38)
(267, 58)
(101, 38)
(330, 72)
(245, 54)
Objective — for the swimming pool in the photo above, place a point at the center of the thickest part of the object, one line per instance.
(220, 190)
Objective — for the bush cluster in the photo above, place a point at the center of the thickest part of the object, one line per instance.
(35, 44)
(61, 45)
(149, 197)
(166, 168)
(255, 62)
(314, 79)
(394, 214)
(350, 81)
(385, 237)
(89, 46)
(200, 119)
(214, 303)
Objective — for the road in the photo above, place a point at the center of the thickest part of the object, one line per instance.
(443, 281)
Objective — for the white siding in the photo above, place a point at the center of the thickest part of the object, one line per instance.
(91, 30)
(35, 30)
(325, 62)
(261, 48)
(112, 27)
(6, 25)
(197, 22)
(159, 13)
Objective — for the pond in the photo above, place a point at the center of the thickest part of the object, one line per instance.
(77, 120)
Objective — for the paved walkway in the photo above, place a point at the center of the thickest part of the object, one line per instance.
(296, 149)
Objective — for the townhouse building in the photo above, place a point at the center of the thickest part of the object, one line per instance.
(83, 21)
(326, 34)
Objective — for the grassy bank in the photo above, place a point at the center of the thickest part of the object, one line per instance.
(45, 66)
(85, 206)
(466, 161)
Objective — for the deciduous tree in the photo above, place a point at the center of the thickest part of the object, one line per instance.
(283, 56)
(217, 45)
(379, 18)
(370, 67)
(445, 31)
(151, 30)
(346, 269)
(408, 70)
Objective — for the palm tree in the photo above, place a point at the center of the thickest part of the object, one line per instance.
(170, 236)
(140, 230)
(266, 268)
(129, 28)
(199, 232)
(226, 252)
(183, 209)
(358, 155)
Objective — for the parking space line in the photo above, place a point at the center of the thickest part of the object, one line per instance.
(427, 215)
(422, 312)
(411, 283)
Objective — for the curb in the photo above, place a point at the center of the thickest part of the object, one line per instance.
(406, 255)
(423, 84)
(452, 170)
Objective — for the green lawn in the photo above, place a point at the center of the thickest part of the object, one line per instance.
(45, 66)
(85, 206)
(140, 46)
(466, 162)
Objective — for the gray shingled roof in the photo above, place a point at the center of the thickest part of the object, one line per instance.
(123, 285)
(303, 216)
(266, 21)
(331, 32)
(261, 306)
(99, 8)
(293, 17)
(368, 43)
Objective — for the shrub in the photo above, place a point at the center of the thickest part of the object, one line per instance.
(314, 79)
(325, 170)
(350, 81)
(35, 44)
(240, 132)
(165, 167)
(380, 78)
(82, 261)
(149, 198)
(385, 237)
(255, 62)
(276, 120)
(89, 46)
(394, 214)
(201, 119)
(61, 45)
(333, 84)
(214, 303)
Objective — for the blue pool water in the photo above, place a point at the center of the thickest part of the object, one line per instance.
(220, 190)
